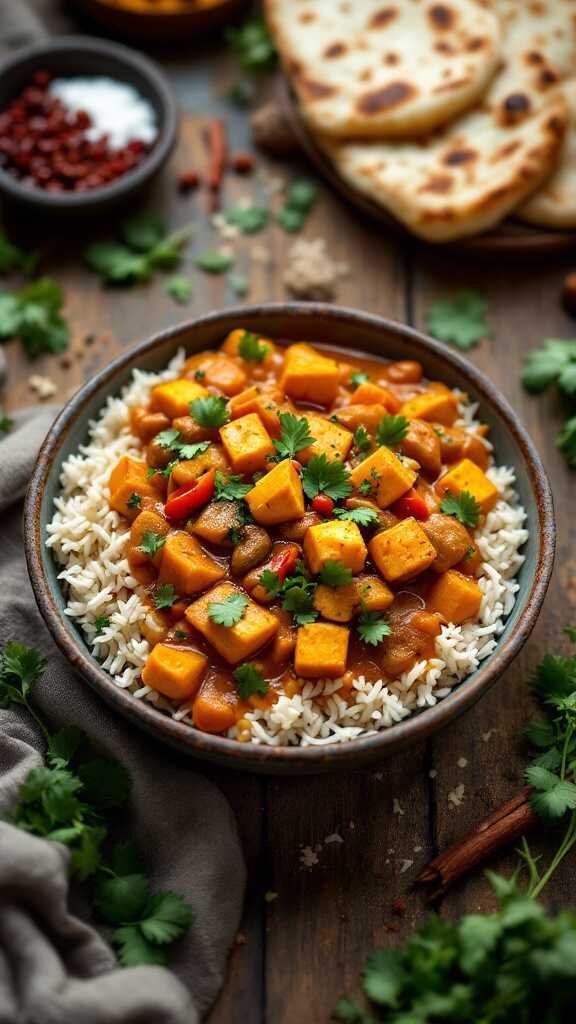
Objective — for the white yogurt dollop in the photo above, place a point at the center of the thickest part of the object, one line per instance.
(116, 109)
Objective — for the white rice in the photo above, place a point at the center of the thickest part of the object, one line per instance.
(89, 541)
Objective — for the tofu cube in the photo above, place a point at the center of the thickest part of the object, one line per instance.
(369, 393)
(438, 404)
(217, 706)
(218, 371)
(231, 345)
(187, 566)
(402, 552)
(174, 396)
(310, 376)
(455, 597)
(174, 672)
(388, 476)
(372, 594)
(234, 643)
(188, 470)
(278, 496)
(467, 476)
(330, 439)
(336, 539)
(266, 404)
(337, 604)
(321, 650)
(247, 443)
(146, 522)
(127, 478)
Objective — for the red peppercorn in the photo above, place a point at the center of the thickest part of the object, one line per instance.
(322, 504)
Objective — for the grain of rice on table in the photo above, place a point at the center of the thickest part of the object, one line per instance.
(89, 540)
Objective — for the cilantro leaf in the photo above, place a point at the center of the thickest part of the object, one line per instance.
(298, 601)
(123, 899)
(555, 678)
(164, 596)
(106, 783)
(553, 796)
(191, 451)
(348, 1012)
(126, 859)
(64, 744)
(460, 320)
(142, 232)
(117, 264)
(180, 289)
(392, 429)
(372, 628)
(249, 219)
(33, 315)
(168, 438)
(335, 574)
(360, 516)
(299, 200)
(86, 854)
(12, 257)
(172, 440)
(151, 543)
(6, 424)
(384, 977)
(252, 45)
(210, 412)
(357, 378)
(238, 283)
(213, 261)
(249, 681)
(229, 611)
(134, 950)
(251, 348)
(294, 436)
(321, 476)
(463, 507)
(362, 440)
(101, 623)
(166, 918)
(229, 488)
(135, 500)
(566, 441)
(545, 365)
(271, 582)
(21, 663)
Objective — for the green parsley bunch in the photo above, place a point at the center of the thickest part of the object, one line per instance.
(555, 363)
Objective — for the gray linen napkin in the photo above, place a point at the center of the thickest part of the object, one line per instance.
(54, 969)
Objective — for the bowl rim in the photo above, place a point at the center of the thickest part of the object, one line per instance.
(167, 123)
(290, 759)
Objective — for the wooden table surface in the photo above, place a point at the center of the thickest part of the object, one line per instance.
(299, 951)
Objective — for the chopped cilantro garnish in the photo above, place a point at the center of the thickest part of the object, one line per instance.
(249, 681)
(151, 543)
(165, 595)
(372, 628)
(335, 574)
(294, 436)
(461, 320)
(135, 500)
(360, 516)
(323, 477)
(229, 488)
(102, 622)
(248, 219)
(229, 611)
(392, 429)
(357, 378)
(251, 348)
(210, 412)
(464, 507)
(362, 440)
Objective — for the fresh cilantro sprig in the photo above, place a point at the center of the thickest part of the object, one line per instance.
(252, 45)
(165, 596)
(179, 288)
(334, 574)
(6, 423)
(322, 476)
(251, 348)
(229, 611)
(248, 219)
(214, 261)
(249, 681)
(460, 320)
(13, 258)
(210, 412)
(362, 440)
(151, 543)
(555, 363)
(296, 593)
(392, 430)
(180, 449)
(372, 628)
(357, 378)
(463, 507)
(229, 488)
(70, 801)
(360, 516)
(144, 247)
(135, 500)
(298, 203)
(33, 314)
(294, 436)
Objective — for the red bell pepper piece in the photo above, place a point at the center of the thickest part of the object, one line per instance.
(283, 563)
(322, 504)
(411, 504)
(189, 497)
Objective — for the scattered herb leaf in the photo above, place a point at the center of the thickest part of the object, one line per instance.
(294, 436)
(212, 261)
(33, 314)
(360, 516)
(321, 476)
(334, 574)
(362, 440)
(210, 412)
(252, 45)
(464, 507)
(251, 348)
(372, 628)
(392, 430)
(165, 595)
(248, 219)
(460, 320)
(229, 611)
(249, 681)
(151, 543)
(179, 289)
(229, 488)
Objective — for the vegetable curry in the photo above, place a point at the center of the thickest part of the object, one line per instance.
(300, 514)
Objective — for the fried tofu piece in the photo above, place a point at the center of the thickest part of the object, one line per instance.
(402, 552)
(247, 443)
(372, 594)
(337, 604)
(278, 496)
(217, 706)
(187, 566)
(321, 650)
(369, 393)
(129, 477)
(310, 376)
(388, 476)
(467, 476)
(174, 396)
(174, 672)
(188, 470)
(335, 540)
(330, 439)
(218, 371)
(438, 403)
(234, 643)
(266, 404)
(455, 597)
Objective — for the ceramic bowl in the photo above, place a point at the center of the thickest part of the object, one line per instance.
(156, 23)
(337, 326)
(84, 55)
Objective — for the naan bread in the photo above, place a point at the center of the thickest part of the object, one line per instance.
(554, 205)
(373, 68)
(469, 176)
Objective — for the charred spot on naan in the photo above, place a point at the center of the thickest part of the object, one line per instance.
(441, 184)
(457, 157)
(514, 108)
(383, 17)
(441, 17)
(335, 50)
(454, 83)
(392, 95)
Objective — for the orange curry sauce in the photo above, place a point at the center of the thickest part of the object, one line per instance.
(412, 567)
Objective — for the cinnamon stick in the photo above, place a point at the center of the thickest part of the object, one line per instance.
(504, 826)
(216, 141)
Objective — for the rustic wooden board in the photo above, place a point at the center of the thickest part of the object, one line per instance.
(299, 951)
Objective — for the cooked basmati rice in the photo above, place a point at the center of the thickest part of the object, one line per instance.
(89, 540)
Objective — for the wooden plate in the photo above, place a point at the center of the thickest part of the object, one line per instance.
(510, 237)
(154, 22)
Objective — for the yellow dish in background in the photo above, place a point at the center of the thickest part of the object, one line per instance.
(160, 19)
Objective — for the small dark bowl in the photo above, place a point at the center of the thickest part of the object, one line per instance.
(336, 326)
(83, 55)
